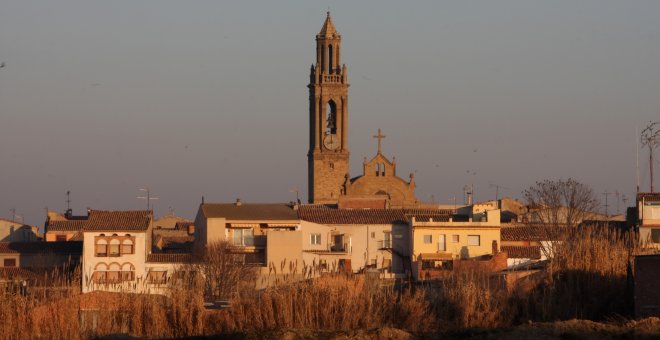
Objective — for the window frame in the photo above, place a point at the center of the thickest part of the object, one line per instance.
(470, 239)
(428, 239)
(455, 238)
(443, 238)
(315, 239)
(12, 262)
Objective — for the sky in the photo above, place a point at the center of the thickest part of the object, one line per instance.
(209, 98)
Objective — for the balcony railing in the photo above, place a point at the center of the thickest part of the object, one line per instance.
(385, 244)
(340, 248)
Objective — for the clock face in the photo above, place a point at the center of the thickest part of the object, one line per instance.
(331, 142)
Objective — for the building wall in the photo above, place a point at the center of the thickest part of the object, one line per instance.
(51, 236)
(363, 243)
(17, 232)
(137, 259)
(284, 250)
(459, 249)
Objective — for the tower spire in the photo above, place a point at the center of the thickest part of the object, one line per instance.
(328, 28)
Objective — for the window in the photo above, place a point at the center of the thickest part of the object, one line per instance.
(60, 238)
(655, 235)
(127, 247)
(243, 237)
(113, 249)
(373, 234)
(442, 246)
(9, 263)
(101, 247)
(387, 264)
(374, 263)
(428, 239)
(315, 239)
(157, 277)
(474, 240)
(455, 238)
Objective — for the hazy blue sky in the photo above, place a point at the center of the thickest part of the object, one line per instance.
(209, 98)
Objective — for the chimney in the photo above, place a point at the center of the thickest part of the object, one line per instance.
(238, 202)
(68, 213)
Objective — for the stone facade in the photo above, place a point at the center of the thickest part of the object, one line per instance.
(328, 155)
(379, 180)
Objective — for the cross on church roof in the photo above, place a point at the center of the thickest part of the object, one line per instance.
(380, 136)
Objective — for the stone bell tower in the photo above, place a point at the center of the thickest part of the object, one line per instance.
(328, 119)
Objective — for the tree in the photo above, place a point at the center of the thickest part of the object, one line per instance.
(560, 202)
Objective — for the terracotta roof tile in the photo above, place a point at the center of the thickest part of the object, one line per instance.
(16, 273)
(130, 220)
(324, 215)
(518, 252)
(649, 196)
(531, 233)
(66, 225)
(183, 225)
(67, 247)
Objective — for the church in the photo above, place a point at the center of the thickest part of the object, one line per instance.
(329, 180)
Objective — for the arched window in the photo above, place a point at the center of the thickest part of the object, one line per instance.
(99, 274)
(330, 59)
(127, 246)
(331, 117)
(101, 247)
(113, 247)
(377, 169)
(382, 169)
(114, 273)
(127, 272)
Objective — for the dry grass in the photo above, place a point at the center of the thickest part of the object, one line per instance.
(587, 279)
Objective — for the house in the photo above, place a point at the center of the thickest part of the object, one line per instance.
(42, 255)
(353, 240)
(439, 241)
(527, 244)
(118, 254)
(12, 231)
(64, 227)
(265, 235)
(648, 220)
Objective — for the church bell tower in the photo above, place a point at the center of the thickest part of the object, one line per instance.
(328, 119)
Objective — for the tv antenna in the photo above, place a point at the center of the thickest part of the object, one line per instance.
(14, 216)
(650, 137)
(497, 190)
(297, 194)
(607, 194)
(148, 198)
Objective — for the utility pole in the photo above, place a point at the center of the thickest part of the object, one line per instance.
(650, 137)
(148, 198)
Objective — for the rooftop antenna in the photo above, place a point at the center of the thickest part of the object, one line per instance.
(497, 192)
(297, 194)
(607, 194)
(13, 214)
(454, 199)
(68, 200)
(650, 137)
(148, 198)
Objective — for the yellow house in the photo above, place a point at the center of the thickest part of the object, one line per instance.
(437, 242)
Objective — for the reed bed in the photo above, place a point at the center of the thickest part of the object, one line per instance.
(586, 279)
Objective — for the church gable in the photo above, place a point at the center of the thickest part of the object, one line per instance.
(379, 182)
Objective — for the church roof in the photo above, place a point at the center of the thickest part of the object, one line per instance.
(250, 211)
(328, 28)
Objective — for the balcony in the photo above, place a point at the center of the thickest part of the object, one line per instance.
(385, 244)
